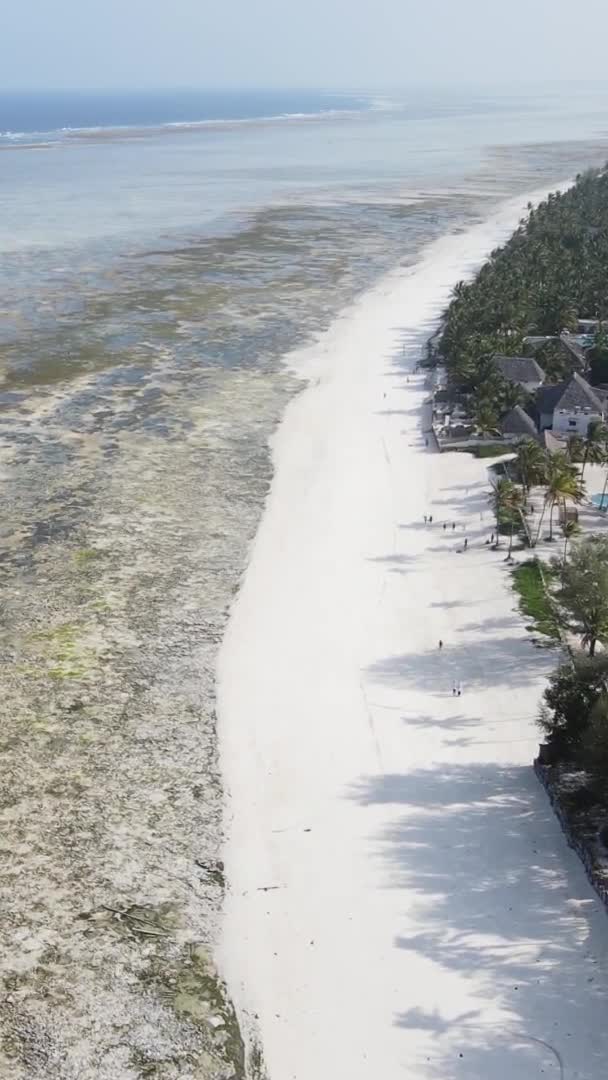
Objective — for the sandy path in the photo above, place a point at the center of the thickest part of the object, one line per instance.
(402, 903)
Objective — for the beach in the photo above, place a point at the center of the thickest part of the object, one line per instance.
(149, 351)
(401, 901)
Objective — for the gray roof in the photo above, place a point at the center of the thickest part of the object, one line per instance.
(577, 394)
(547, 397)
(517, 422)
(570, 343)
(519, 369)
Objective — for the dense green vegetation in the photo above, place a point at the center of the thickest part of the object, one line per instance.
(566, 599)
(570, 597)
(549, 275)
(573, 598)
(583, 595)
(597, 358)
(574, 716)
(553, 270)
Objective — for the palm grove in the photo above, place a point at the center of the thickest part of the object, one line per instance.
(553, 271)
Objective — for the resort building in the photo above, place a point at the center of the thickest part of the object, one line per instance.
(520, 371)
(576, 346)
(554, 413)
(569, 407)
(517, 425)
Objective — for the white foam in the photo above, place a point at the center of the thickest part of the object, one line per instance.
(108, 130)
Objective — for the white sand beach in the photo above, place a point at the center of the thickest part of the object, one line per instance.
(401, 901)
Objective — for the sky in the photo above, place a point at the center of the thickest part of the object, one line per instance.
(317, 43)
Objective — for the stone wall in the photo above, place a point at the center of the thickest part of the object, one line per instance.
(580, 829)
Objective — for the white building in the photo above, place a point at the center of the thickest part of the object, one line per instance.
(569, 407)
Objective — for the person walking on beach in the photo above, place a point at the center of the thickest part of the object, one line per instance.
(453, 526)
(440, 643)
(430, 519)
(445, 525)
(466, 543)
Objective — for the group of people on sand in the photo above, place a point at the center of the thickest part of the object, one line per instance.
(428, 520)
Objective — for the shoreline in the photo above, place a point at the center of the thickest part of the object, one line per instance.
(343, 754)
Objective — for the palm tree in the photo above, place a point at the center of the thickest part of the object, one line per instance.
(563, 484)
(554, 267)
(511, 395)
(602, 505)
(576, 448)
(507, 502)
(497, 498)
(486, 419)
(595, 444)
(569, 529)
(514, 504)
(530, 464)
(459, 290)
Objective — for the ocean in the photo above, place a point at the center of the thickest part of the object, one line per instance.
(162, 255)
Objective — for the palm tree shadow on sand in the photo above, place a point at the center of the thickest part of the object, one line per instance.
(511, 661)
(499, 898)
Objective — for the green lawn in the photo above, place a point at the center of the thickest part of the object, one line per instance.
(483, 451)
(533, 600)
(493, 450)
